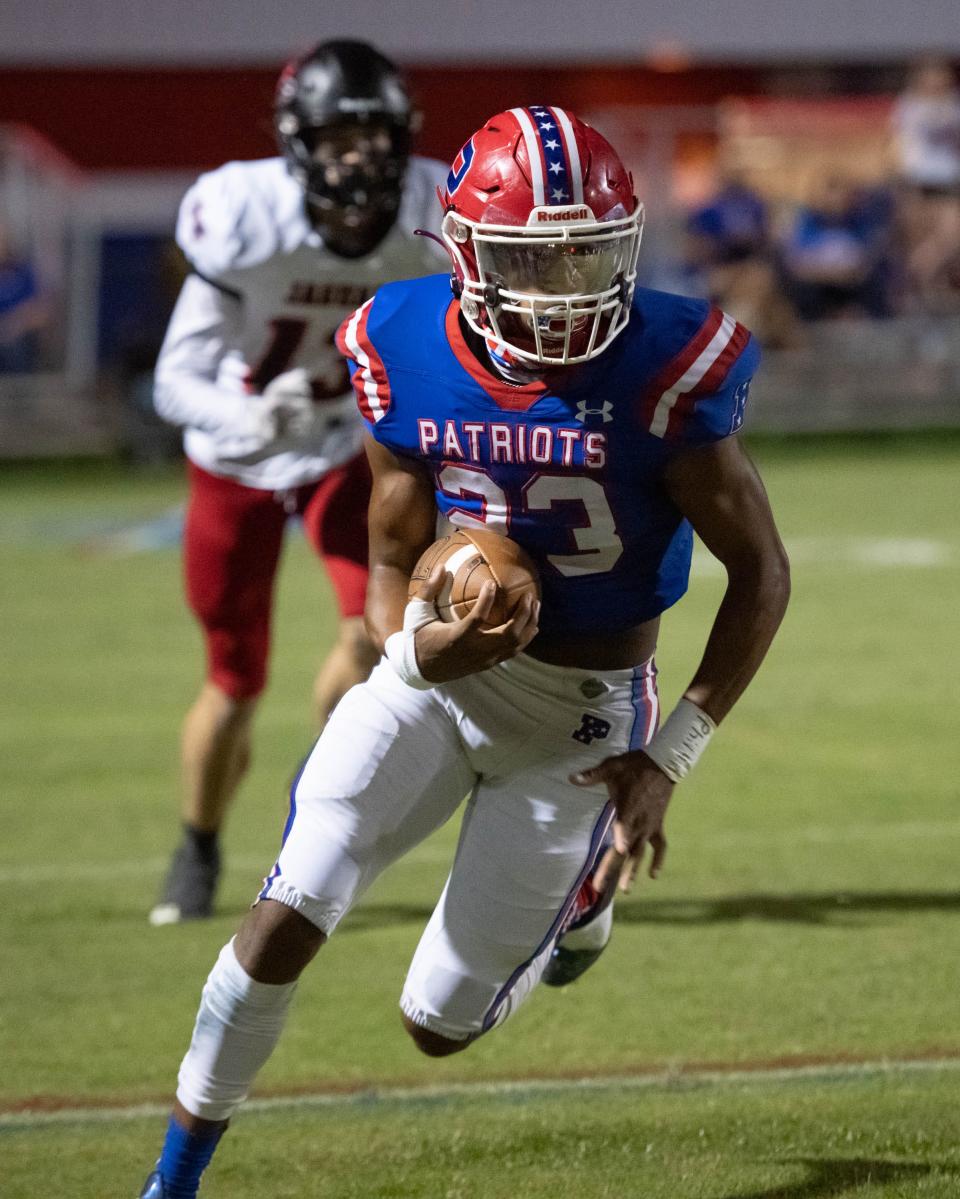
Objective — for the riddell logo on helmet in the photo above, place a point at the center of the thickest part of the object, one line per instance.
(564, 214)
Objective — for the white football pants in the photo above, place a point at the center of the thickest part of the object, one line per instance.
(393, 764)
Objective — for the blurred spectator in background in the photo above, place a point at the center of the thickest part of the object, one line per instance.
(926, 122)
(835, 257)
(731, 227)
(23, 311)
(727, 251)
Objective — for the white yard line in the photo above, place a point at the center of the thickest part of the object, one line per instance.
(22, 873)
(871, 553)
(667, 1079)
(103, 871)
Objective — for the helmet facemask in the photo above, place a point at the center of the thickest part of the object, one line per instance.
(352, 176)
(554, 292)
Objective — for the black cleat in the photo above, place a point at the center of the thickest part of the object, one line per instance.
(190, 884)
(586, 930)
(566, 965)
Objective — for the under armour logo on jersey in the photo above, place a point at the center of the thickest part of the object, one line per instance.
(592, 728)
(583, 411)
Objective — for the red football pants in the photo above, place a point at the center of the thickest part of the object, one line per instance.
(232, 542)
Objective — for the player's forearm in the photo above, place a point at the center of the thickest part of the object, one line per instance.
(204, 324)
(192, 401)
(386, 600)
(746, 622)
(402, 524)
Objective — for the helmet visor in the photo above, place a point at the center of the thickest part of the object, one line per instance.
(560, 268)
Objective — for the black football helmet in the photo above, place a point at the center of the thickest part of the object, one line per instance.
(344, 122)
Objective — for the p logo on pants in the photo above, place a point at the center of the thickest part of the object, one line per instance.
(592, 728)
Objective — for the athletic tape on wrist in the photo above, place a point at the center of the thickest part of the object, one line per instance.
(681, 740)
(400, 648)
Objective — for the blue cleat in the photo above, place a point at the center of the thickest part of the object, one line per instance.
(586, 931)
(153, 1188)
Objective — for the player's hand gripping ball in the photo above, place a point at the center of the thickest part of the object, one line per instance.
(469, 559)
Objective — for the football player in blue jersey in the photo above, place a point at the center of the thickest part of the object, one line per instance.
(551, 400)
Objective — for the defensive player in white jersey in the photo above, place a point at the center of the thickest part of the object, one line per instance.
(595, 422)
(281, 250)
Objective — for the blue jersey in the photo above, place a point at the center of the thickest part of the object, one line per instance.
(571, 469)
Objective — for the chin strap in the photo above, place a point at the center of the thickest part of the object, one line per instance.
(433, 237)
(507, 364)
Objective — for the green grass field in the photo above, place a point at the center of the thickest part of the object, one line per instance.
(808, 911)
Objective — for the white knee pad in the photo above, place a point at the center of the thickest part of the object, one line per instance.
(238, 1024)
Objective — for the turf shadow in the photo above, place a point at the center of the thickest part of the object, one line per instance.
(375, 915)
(805, 909)
(830, 1177)
(845, 907)
(833, 908)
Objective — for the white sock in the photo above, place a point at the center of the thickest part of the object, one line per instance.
(238, 1024)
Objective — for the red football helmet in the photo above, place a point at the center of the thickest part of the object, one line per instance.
(544, 231)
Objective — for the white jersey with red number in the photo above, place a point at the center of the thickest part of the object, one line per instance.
(266, 297)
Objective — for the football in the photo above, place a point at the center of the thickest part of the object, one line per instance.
(470, 558)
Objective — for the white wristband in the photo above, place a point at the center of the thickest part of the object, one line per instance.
(400, 648)
(681, 740)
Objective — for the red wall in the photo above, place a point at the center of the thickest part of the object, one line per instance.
(191, 118)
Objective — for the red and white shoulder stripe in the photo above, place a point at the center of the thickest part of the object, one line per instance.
(698, 370)
(370, 380)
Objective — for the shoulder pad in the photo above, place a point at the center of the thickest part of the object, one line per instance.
(209, 222)
(235, 216)
(368, 374)
(393, 318)
(699, 347)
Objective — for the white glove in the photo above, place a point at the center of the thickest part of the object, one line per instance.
(291, 398)
(284, 411)
(250, 431)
